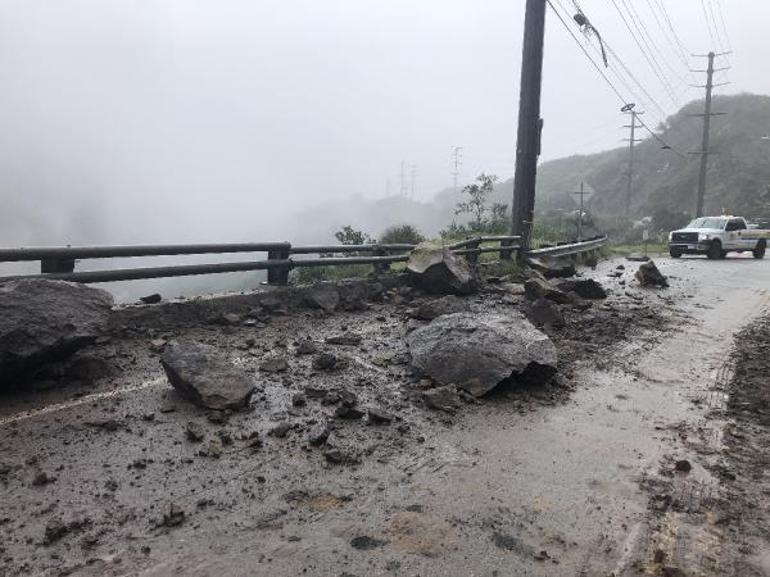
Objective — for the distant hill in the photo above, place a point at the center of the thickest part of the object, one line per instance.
(738, 177)
(738, 173)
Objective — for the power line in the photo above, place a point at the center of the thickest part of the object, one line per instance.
(608, 81)
(616, 58)
(724, 25)
(662, 6)
(650, 59)
(667, 34)
(646, 31)
(708, 25)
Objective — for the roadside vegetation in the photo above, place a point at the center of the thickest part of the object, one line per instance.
(479, 214)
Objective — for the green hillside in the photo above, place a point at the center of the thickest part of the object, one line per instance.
(738, 173)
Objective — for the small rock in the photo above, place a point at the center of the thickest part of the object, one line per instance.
(253, 440)
(298, 400)
(110, 425)
(231, 319)
(445, 398)
(348, 339)
(194, 431)
(55, 529)
(351, 413)
(648, 275)
(347, 398)
(339, 456)
(157, 345)
(174, 516)
(152, 299)
(318, 435)
(366, 543)
(42, 478)
(379, 417)
(683, 466)
(280, 430)
(306, 347)
(325, 362)
(274, 365)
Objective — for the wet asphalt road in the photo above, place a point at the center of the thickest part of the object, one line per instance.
(507, 487)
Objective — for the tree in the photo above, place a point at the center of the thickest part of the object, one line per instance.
(348, 235)
(476, 205)
(401, 234)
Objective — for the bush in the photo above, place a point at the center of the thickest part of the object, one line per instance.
(309, 275)
(348, 235)
(401, 234)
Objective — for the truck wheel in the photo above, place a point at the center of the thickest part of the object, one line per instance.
(715, 250)
(675, 253)
(759, 250)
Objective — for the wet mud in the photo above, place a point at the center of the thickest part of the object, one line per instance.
(118, 475)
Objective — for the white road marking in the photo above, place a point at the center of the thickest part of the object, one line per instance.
(33, 413)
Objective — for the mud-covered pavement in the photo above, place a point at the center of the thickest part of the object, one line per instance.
(575, 477)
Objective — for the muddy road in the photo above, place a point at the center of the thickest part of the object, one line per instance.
(585, 475)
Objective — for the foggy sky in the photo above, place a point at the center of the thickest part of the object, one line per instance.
(184, 120)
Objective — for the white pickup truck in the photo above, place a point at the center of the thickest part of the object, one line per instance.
(715, 236)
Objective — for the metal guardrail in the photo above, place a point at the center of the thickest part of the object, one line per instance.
(59, 262)
(569, 249)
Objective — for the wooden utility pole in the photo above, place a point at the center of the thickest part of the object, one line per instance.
(582, 194)
(707, 114)
(530, 123)
(704, 156)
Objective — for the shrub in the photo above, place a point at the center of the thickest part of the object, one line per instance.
(401, 234)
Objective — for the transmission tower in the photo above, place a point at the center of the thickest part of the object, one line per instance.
(457, 161)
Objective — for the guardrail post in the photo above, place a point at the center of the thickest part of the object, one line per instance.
(473, 257)
(381, 267)
(506, 254)
(279, 275)
(54, 265)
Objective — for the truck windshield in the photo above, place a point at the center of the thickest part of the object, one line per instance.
(707, 222)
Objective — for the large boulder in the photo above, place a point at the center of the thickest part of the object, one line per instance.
(44, 320)
(649, 275)
(324, 296)
(478, 351)
(436, 269)
(430, 309)
(538, 288)
(552, 267)
(202, 376)
(585, 288)
(543, 312)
